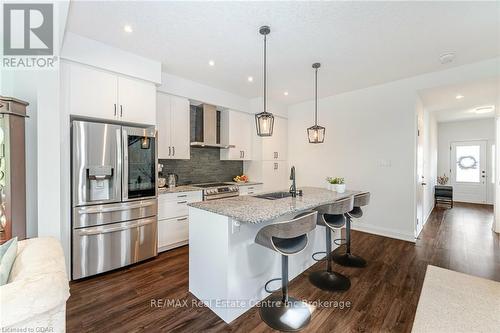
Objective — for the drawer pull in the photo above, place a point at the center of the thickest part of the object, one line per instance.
(182, 219)
(182, 196)
(181, 202)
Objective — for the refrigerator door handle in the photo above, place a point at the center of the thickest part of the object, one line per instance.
(100, 209)
(125, 164)
(108, 229)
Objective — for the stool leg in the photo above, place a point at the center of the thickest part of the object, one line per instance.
(284, 278)
(348, 259)
(328, 249)
(329, 280)
(285, 313)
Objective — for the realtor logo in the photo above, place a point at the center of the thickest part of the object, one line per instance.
(28, 29)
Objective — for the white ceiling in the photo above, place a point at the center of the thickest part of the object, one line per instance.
(443, 102)
(358, 43)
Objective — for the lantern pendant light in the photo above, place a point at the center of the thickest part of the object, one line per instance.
(264, 120)
(316, 134)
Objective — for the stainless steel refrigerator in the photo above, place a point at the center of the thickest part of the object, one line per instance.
(114, 196)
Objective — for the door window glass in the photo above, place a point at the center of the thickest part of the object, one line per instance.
(141, 167)
(467, 164)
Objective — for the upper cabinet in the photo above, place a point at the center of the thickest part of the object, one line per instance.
(97, 93)
(173, 127)
(237, 130)
(137, 101)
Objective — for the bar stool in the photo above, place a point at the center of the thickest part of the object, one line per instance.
(347, 258)
(332, 217)
(282, 312)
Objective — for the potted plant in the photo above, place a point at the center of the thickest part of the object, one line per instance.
(340, 186)
(332, 183)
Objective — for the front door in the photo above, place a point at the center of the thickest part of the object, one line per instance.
(468, 171)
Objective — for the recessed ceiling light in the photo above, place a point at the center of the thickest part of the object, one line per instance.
(128, 28)
(459, 96)
(211, 63)
(447, 58)
(285, 93)
(250, 79)
(484, 109)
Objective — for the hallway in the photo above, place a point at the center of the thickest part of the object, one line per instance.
(461, 239)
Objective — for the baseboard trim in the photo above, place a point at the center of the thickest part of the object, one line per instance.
(382, 232)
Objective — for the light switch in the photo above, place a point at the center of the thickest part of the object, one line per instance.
(384, 163)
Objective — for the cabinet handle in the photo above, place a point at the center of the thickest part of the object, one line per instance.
(121, 110)
(182, 196)
(115, 109)
(169, 151)
(275, 166)
(243, 154)
(182, 202)
(182, 219)
(277, 154)
(173, 151)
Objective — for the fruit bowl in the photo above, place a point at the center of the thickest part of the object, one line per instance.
(241, 179)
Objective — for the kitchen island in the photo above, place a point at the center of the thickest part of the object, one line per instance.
(227, 269)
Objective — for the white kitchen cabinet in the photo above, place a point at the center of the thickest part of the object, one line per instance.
(237, 129)
(250, 189)
(136, 99)
(173, 123)
(92, 92)
(96, 93)
(173, 218)
(173, 233)
(275, 175)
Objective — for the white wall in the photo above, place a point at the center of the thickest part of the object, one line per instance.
(179, 86)
(91, 52)
(371, 141)
(481, 129)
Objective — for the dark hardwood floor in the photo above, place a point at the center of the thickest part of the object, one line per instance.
(383, 296)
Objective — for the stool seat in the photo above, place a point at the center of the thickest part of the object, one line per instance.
(356, 212)
(334, 221)
(290, 245)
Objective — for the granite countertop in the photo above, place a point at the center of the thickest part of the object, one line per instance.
(177, 189)
(250, 209)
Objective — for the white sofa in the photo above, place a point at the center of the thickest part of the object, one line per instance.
(34, 298)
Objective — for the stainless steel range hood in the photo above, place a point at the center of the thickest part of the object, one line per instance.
(206, 129)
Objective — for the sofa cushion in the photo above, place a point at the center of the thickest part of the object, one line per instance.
(8, 252)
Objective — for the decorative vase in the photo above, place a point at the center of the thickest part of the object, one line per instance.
(332, 187)
(340, 188)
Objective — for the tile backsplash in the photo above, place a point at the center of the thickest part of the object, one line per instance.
(204, 166)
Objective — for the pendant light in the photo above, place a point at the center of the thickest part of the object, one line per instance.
(316, 134)
(264, 120)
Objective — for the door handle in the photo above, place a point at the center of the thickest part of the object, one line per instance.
(173, 151)
(243, 154)
(115, 109)
(121, 110)
(169, 151)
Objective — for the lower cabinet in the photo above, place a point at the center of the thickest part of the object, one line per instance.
(250, 189)
(173, 233)
(173, 218)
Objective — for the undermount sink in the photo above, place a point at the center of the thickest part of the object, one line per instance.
(274, 195)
